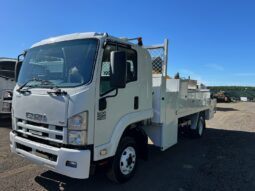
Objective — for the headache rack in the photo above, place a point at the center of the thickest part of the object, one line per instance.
(159, 56)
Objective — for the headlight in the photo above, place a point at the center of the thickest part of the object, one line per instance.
(78, 122)
(77, 137)
(77, 129)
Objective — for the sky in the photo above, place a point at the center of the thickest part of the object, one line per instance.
(212, 41)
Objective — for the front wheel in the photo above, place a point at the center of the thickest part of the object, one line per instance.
(124, 163)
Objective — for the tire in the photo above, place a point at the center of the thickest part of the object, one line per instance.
(199, 131)
(124, 163)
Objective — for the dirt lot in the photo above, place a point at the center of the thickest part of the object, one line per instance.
(224, 159)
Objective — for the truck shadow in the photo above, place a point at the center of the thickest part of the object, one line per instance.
(220, 160)
(225, 109)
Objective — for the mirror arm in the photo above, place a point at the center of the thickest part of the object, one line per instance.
(103, 103)
(114, 95)
(22, 54)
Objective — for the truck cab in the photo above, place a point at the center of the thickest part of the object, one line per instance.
(67, 111)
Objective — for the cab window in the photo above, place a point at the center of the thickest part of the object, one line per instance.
(131, 55)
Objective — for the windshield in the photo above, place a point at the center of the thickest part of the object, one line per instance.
(7, 69)
(63, 64)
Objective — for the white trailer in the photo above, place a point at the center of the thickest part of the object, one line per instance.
(90, 99)
(7, 83)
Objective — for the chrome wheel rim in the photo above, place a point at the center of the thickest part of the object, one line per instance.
(127, 160)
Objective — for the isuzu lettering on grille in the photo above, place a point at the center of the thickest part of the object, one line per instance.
(36, 117)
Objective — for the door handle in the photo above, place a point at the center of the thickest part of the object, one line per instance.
(136, 102)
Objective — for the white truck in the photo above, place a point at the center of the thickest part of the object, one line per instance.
(7, 83)
(89, 99)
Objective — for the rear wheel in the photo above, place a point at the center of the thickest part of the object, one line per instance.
(124, 163)
(199, 131)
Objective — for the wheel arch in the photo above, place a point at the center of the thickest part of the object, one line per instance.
(135, 131)
(123, 126)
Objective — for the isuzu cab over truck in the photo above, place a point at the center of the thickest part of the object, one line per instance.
(7, 84)
(89, 99)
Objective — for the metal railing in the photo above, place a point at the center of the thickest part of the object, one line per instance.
(159, 56)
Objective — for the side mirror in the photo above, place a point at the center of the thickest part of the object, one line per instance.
(118, 69)
(19, 64)
(17, 69)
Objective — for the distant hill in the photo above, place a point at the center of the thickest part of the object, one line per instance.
(235, 91)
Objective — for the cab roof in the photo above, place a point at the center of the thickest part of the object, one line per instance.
(75, 36)
(4, 59)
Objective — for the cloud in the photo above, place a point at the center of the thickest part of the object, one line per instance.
(215, 67)
(245, 74)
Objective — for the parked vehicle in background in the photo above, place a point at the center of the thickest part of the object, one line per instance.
(221, 97)
(90, 99)
(7, 83)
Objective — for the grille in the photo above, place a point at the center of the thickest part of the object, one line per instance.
(43, 131)
(6, 107)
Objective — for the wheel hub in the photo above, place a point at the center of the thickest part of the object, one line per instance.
(127, 160)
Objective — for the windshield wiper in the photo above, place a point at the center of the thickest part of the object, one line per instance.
(56, 90)
(44, 82)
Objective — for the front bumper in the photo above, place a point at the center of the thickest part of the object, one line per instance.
(30, 149)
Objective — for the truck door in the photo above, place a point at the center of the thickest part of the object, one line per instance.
(116, 104)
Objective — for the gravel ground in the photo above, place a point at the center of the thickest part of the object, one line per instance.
(223, 159)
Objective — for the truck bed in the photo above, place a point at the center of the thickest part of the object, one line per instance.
(172, 100)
